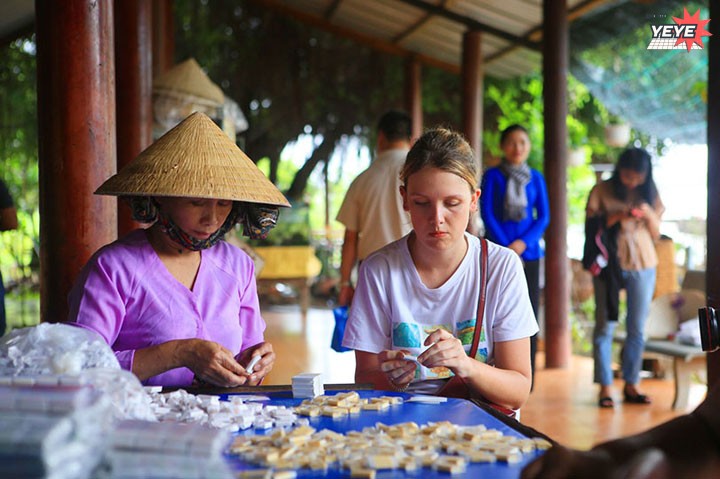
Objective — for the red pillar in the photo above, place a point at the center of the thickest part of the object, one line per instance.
(76, 137)
(557, 290)
(413, 95)
(133, 60)
(712, 278)
(163, 36)
(472, 87)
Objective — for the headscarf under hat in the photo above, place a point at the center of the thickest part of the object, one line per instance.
(256, 221)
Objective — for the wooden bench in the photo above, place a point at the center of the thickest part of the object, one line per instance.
(295, 265)
(687, 360)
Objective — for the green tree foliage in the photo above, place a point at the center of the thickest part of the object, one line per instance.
(19, 157)
(289, 78)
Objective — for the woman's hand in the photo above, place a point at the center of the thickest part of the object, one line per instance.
(446, 350)
(264, 365)
(346, 295)
(398, 371)
(211, 362)
(518, 246)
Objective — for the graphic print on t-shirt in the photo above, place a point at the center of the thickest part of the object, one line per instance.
(411, 336)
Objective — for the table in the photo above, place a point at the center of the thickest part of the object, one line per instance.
(295, 265)
(457, 411)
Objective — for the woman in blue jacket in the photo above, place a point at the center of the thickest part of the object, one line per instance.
(514, 207)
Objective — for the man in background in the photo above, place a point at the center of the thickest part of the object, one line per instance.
(372, 210)
(8, 221)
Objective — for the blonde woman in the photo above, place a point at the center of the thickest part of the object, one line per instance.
(419, 296)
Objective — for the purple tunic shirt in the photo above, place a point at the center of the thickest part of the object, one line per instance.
(126, 294)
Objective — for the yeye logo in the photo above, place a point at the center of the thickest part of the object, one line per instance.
(688, 30)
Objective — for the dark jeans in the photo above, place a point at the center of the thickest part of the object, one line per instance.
(532, 276)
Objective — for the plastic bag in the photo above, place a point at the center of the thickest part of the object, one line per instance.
(50, 349)
(341, 316)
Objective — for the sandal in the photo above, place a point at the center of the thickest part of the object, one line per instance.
(606, 402)
(636, 398)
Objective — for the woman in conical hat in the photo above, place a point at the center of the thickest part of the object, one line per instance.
(175, 302)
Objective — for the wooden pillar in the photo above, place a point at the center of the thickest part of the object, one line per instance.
(712, 274)
(76, 141)
(163, 36)
(133, 60)
(557, 290)
(413, 95)
(472, 87)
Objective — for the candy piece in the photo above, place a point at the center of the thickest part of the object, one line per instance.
(253, 363)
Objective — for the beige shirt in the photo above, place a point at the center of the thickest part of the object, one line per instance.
(635, 242)
(373, 205)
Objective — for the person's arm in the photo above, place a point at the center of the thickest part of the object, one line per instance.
(210, 361)
(253, 328)
(386, 371)
(349, 257)
(263, 366)
(687, 446)
(490, 186)
(98, 302)
(541, 220)
(651, 216)
(8, 213)
(507, 383)
(8, 219)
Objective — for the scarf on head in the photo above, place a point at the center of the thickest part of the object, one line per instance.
(257, 221)
(190, 242)
(515, 206)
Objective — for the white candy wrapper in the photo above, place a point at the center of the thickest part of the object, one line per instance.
(53, 349)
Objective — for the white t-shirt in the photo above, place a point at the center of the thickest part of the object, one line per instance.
(373, 205)
(393, 309)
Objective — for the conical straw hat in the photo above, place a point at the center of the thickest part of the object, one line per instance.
(195, 159)
(188, 79)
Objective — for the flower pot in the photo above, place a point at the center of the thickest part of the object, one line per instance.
(617, 135)
(576, 157)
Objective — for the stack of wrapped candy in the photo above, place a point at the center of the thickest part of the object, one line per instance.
(143, 449)
(53, 430)
(307, 385)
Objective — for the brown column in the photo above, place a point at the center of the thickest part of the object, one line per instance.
(472, 85)
(133, 60)
(163, 36)
(76, 133)
(413, 95)
(557, 291)
(712, 274)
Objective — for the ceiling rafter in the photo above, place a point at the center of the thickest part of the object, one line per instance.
(536, 33)
(473, 24)
(364, 39)
(417, 25)
(330, 12)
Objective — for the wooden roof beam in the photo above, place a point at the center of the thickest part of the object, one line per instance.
(536, 33)
(417, 25)
(473, 24)
(330, 12)
(381, 45)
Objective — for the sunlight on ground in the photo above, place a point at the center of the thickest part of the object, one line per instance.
(302, 344)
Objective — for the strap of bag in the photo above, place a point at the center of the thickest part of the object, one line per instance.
(481, 300)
